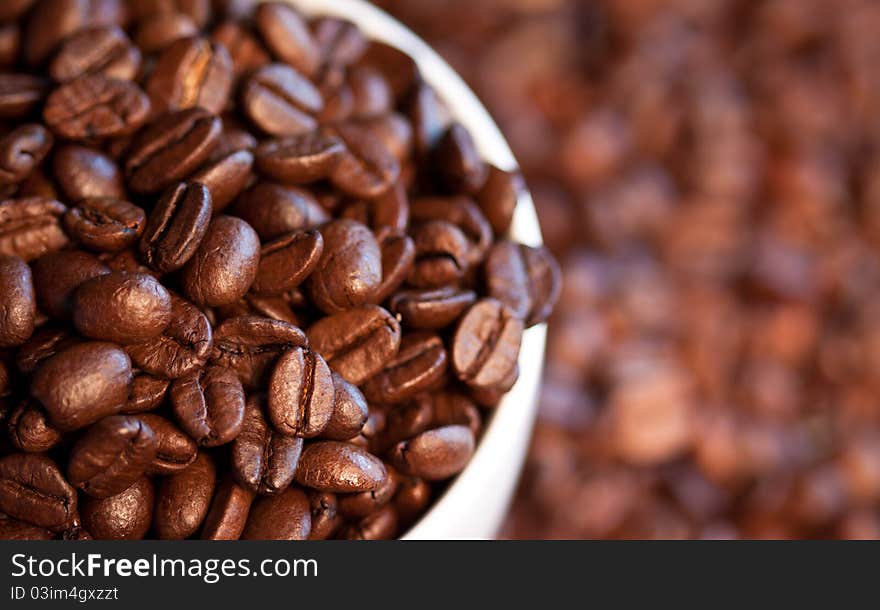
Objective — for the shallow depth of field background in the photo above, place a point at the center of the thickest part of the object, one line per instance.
(708, 173)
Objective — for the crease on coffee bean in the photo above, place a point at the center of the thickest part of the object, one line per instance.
(487, 347)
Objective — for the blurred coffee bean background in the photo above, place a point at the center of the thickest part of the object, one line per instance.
(708, 173)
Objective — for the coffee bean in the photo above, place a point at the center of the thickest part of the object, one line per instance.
(51, 21)
(111, 456)
(155, 33)
(274, 210)
(13, 529)
(287, 36)
(82, 384)
(442, 255)
(420, 365)
(95, 106)
(340, 468)
(350, 271)
(18, 303)
(121, 307)
(457, 162)
(413, 495)
(486, 344)
(436, 454)
(175, 451)
(233, 139)
(183, 346)
(405, 422)
(300, 159)
(261, 306)
(340, 42)
(285, 516)
(31, 227)
(263, 460)
(380, 525)
(105, 223)
(229, 512)
(102, 50)
(300, 394)
(30, 430)
(226, 178)
(176, 227)
(147, 393)
(199, 11)
(20, 94)
(463, 213)
(357, 343)
(325, 520)
(33, 490)
(170, 149)
(183, 499)
(225, 265)
(498, 198)
(281, 101)
(57, 275)
(251, 345)
(399, 69)
(367, 169)
(191, 72)
(428, 116)
(43, 344)
(431, 309)
(286, 262)
(85, 173)
(350, 411)
(454, 408)
(125, 516)
(209, 405)
(245, 50)
(359, 505)
(398, 257)
(525, 279)
(21, 151)
(388, 212)
(394, 131)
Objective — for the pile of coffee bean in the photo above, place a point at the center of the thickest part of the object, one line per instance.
(254, 281)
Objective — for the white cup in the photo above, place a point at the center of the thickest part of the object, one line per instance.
(476, 502)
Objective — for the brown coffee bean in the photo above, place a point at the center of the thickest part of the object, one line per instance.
(420, 365)
(52, 21)
(33, 490)
(486, 344)
(453, 408)
(399, 69)
(58, 275)
(30, 430)
(463, 213)
(147, 393)
(245, 50)
(155, 33)
(263, 460)
(103, 50)
(21, 151)
(300, 159)
(174, 449)
(281, 101)
(286, 262)
(350, 271)
(226, 177)
(498, 198)
(125, 516)
(191, 72)
(18, 303)
(325, 520)
(527, 280)
(359, 505)
(380, 525)
(82, 384)
(286, 34)
(95, 106)
(398, 256)
(350, 411)
(341, 43)
(367, 169)
(43, 344)
(176, 227)
(105, 224)
(285, 516)
(209, 405)
(229, 512)
(457, 162)
(274, 210)
(170, 149)
(111, 456)
(300, 394)
(428, 116)
(436, 454)
(199, 11)
(251, 345)
(85, 173)
(357, 343)
(183, 499)
(261, 306)
(121, 307)
(442, 255)
(413, 496)
(431, 309)
(225, 265)
(340, 468)
(13, 529)
(29, 228)
(20, 94)
(394, 131)
(388, 213)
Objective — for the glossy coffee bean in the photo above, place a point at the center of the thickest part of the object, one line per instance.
(20, 94)
(339, 468)
(229, 512)
(367, 169)
(111, 456)
(287, 36)
(325, 519)
(85, 173)
(463, 213)
(454, 408)
(398, 257)
(32, 489)
(301, 393)
(432, 308)
(359, 505)
(262, 306)
(274, 210)
(286, 262)
(486, 344)
(300, 159)
(387, 213)
(498, 198)
(280, 101)
(189, 73)
(380, 525)
(175, 451)
(413, 496)
(51, 21)
(176, 227)
(21, 152)
(83, 384)
(226, 177)
(436, 454)
(442, 255)
(156, 32)
(106, 224)
(264, 461)
(285, 516)
(102, 50)
(350, 411)
(30, 430)
(350, 271)
(58, 275)
(121, 307)
(527, 280)
(251, 345)
(95, 106)
(458, 163)
(43, 344)
(147, 393)
(245, 49)
(18, 302)
(209, 405)
(31, 227)
(184, 498)
(125, 516)
(420, 365)
(341, 43)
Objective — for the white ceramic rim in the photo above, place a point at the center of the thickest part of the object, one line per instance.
(476, 502)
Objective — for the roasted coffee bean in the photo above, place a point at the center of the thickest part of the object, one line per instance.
(325, 520)
(300, 159)
(225, 265)
(394, 131)
(102, 50)
(428, 117)
(51, 21)
(58, 275)
(20, 94)
(357, 343)
(431, 309)
(13, 529)
(340, 468)
(95, 106)
(261, 306)
(37, 184)
(340, 42)
(367, 169)
(31, 227)
(286, 262)
(121, 307)
(226, 177)
(281, 101)
(463, 213)
(147, 393)
(525, 279)
(498, 198)
(436, 454)
(413, 495)
(251, 345)
(105, 224)
(301, 394)
(233, 139)
(457, 162)
(380, 525)
(183, 499)
(43, 344)
(229, 512)
(285, 516)
(85, 173)
(398, 256)
(83, 384)
(111, 456)
(125, 516)
(274, 210)
(350, 271)
(371, 95)
(263, 460)
(32, 489)
(209, 405)
(176, 227)
(21, 151)
(405, 422)
(170, 149)
(389, 212)
(453, 408)
(420, 365)
(486, 344)
(155, 33)
(399, 69)
(191, 72)
(245, 50)
(442, 255)
(174, 449)
(199, 11)
(350, 411)
(359, 505)
(30, 430)
(287, 36)
(129, 261)
(18, 303)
